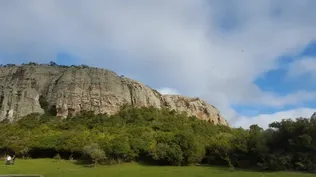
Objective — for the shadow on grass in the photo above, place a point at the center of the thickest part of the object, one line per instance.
(84, 163)
(88, 164)
(250, 170)
(151, 164)
(227, 169)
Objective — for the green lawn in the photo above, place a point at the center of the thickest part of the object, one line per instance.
(53, 168)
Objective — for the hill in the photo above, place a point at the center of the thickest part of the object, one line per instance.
(155, 136)
(66, 91)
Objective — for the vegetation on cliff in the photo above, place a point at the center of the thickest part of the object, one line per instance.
(163, 137)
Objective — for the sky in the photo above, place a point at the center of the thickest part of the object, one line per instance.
(253, 60)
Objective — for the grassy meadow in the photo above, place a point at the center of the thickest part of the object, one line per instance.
(61, 168)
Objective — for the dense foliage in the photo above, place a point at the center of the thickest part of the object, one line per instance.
(163, 137)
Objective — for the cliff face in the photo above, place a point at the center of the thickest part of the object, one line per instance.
(23, 89)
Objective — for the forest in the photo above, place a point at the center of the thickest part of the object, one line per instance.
(161, 137)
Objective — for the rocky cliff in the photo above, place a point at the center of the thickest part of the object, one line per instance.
(34, 88)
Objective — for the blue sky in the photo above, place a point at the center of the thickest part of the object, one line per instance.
(275, 81)
(66, 59)
(253, 60)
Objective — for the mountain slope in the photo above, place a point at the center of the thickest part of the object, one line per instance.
(34, 88)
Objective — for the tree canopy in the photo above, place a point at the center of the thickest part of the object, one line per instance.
(162, 137)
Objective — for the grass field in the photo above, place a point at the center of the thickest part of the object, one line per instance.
(53, 168)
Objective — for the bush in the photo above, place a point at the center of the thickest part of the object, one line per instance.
(95, 153)
(57, 157)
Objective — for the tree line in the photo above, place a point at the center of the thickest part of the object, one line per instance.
(51, 63)
(162, 137)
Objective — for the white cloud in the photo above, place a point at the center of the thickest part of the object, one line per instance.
(276, 101)
(263, 120)
(168, 91)
(178, 43)
(302, 67)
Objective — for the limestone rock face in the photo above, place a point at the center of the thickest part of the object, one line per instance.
(194, 107)
(69, 90)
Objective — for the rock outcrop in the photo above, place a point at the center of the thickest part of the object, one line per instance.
(32, 88)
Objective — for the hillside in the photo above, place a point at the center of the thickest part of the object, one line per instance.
(65, 91)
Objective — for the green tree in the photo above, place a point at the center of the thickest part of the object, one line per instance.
(94, 152)
(222, 145)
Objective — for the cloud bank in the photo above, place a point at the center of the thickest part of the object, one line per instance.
(214, 49)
